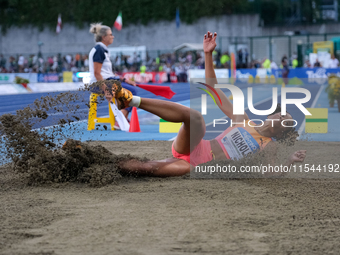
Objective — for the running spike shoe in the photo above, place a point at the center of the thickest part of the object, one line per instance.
(123, 98)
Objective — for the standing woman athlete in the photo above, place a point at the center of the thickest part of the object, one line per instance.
(100, 65)
(189, 149)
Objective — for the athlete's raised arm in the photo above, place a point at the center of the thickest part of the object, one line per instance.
(209, 44)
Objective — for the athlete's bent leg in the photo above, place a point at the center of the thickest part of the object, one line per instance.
(188, 138)
(193, 128)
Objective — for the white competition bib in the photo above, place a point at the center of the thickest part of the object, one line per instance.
(239, 143)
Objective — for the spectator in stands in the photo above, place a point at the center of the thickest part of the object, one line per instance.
(181, 58)
(118, 60)
(74, 69)
(307, 64)
(200, 61)
(160, 68)
(130, 61)
(12, 65)
(55, 64)
(255, 64)
(189, 57)
(41, 61)
(124, 69)
(285, 70)
(317, 64)
(214, 55)
(157, 60)
(30, 63)
(2, 63)
(183, 73)
(167, 69)
(173, 58)
(68, 59)
(79, 61)
(187, 66)
(25, 65)
(35, 63)
(138, 61)
(100, 64)
(60, 63)
(218, 58)
(142, 72)
(86, 63)
(225, 59)
(284, 60)
(242, 58)
(295, 62)
(266, 63)
(333, 62)
(50, 61)
(273, 65)
(178, 72)
(21, 62)
(162, 59)
(245, 56)
(168, 59)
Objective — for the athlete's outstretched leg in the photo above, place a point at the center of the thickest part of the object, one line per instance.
(158, 168)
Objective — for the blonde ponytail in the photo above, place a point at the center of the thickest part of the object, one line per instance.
(99, 31)
(95, 27)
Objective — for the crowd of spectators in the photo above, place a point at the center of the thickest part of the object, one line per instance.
(178, 63)
(175, 62)
(36, 63)
(168, 62)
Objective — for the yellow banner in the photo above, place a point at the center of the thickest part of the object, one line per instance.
(327, 46)
(67, 76)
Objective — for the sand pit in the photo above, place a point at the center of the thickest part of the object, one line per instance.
(75, 201)
(173, 215)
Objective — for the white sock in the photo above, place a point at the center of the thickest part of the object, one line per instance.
(135, 101)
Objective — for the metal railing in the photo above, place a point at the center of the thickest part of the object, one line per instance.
(256, 49)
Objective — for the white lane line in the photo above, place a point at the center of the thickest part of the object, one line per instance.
(317, 96)
(58, 125)
(302, 127)
(71, 111)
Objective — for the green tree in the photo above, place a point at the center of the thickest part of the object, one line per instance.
(44, 13)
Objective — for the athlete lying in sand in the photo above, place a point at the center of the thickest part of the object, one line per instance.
(189, 149)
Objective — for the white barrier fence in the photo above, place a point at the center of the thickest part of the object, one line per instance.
(6, 78)
(200, 73)
(12, 89)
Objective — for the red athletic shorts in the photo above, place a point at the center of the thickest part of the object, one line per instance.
(201, 154)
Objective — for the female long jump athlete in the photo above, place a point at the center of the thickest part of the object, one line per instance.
(189, 148)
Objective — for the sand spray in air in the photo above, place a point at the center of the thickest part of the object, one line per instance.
(38, 154)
